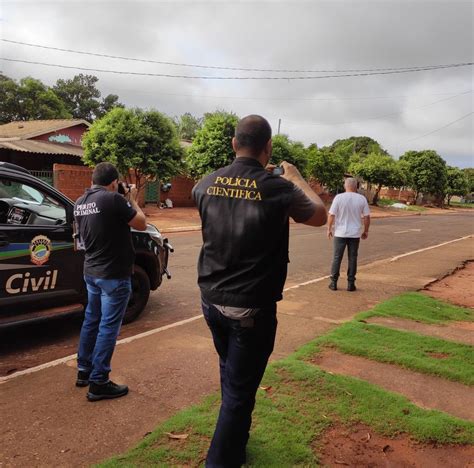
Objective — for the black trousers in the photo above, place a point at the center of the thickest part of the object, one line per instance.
(340, 244)
(244, 348)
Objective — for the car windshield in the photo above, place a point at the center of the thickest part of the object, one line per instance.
(24, 193)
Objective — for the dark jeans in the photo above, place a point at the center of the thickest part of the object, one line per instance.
(244, 348)
(352, 249)
(107, 302)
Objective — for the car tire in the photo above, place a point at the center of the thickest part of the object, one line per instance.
(140, 294)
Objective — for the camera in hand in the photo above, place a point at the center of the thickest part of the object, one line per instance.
(278, 170)
(124, 188)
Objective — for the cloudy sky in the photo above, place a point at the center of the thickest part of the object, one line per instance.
(419, 110)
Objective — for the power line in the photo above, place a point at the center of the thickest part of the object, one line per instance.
(441, 128)
(248, 78)
(215, 67)
(259, 98)
(379, 116)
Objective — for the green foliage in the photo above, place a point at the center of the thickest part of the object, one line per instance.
(132, 139)
(29, 99)
(378, 169)
(469, 173)
(188, 125)
(290, 151)
(327, 166)
(360, 145)
(81, 97)
(457, 183)
(212, 145)
(426, 172)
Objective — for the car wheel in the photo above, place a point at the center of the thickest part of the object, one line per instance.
(140, 294)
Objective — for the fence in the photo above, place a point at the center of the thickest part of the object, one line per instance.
(46, 176)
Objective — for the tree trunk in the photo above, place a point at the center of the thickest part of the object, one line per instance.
(376, 195)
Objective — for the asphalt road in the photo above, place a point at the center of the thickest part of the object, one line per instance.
(177, 299)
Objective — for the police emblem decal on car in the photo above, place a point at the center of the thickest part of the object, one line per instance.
(40, 250)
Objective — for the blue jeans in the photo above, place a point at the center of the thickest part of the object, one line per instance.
(107, 302)
(352, 251)
(244, 347)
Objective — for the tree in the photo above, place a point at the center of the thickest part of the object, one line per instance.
(360, 145)
(426, 172)
(82, 98)
(29, 99)
(469, 173)
(293, 152)
(378, 169)
(212, 145)
(457, 183)
(326, 167)
(111, 101)
(144, 144)
(188, 125)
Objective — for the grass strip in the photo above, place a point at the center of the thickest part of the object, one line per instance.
(419, 307)
(290, 418)
(453, 361)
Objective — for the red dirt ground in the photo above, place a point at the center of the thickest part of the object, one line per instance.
(457, 288)
(360, 446)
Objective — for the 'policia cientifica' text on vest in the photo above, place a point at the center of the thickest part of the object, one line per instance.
(244, 212)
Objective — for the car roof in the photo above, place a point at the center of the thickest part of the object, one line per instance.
(13, 167)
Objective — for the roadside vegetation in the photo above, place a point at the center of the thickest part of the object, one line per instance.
(298, 401)
(388, 202)
(419, 307)
(146, 134)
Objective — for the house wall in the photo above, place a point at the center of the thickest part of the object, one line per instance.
(70, 135)
(180, 192)
(396, 194)
(74, 180)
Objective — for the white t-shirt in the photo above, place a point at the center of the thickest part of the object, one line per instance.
(348, 209)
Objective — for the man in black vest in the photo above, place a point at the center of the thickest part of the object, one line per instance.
(242, 269)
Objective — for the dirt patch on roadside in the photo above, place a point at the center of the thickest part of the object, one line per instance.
(461, 332)
(360, 446)
(423, 390)
(457, 288)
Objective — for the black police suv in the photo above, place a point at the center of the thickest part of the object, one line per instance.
(40, 269)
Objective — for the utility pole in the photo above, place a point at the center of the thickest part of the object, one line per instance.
(279, 123)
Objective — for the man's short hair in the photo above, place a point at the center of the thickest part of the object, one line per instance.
(351, 182)
(104, 174)
(253, 132)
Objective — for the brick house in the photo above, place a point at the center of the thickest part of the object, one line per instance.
(37, 144)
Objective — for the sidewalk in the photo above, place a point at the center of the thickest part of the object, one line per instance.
(187, 219)
(48, 422)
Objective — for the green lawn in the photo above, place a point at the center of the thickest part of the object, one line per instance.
(419, 307)
(301, 400)
(410, 350)
(290, 418)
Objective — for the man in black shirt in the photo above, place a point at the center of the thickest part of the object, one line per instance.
(245, 212)
(103, 219)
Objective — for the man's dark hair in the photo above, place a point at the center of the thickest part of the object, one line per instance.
(104, 174)
(253, 132)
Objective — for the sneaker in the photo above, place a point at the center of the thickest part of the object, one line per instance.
(351, 286)
(333, 286)
(82, 379)
(106, 391)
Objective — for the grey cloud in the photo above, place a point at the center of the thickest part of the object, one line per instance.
(271, 35)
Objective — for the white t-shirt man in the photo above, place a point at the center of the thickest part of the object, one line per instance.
(349, 208)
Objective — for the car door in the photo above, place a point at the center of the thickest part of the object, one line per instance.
(39, 268)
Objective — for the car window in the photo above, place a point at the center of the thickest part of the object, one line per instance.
(22, 203)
